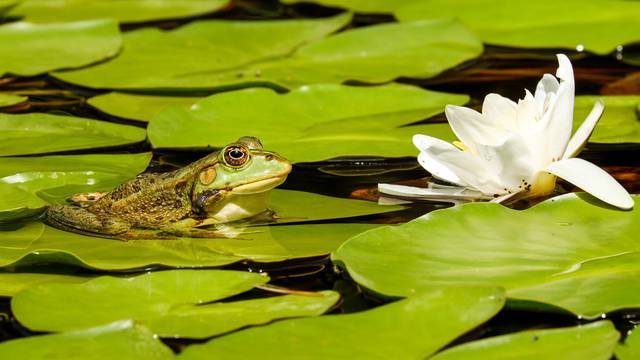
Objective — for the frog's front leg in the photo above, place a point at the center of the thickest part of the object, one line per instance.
(190, 227)
(79, 219)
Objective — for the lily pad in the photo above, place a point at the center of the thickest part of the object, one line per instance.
(163, 310)
(570, 244)
(529, 24)
(364, 6)
(138, 107)
(46, 11)
(593, 341)
(122, 340)
(9, 100)
(11, 283)
(223, 55)
(28, 184)
(330, 120)
(619, 123)
(66, 45)
(38, 133)
(630, 349)
(141, 298)
(36, 243)
(412, 328)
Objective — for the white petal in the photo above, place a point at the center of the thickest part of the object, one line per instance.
(547, 85)
(593, 180)
(430, 162)
(526, 113)
(499, 112)
(583, 133)
(459, 193)
(561, 122)
(471, 128)
(513, 161)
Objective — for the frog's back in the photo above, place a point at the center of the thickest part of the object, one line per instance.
(148, 199)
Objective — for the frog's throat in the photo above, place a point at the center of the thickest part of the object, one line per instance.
(259, 186)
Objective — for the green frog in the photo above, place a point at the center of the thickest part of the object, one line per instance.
(225, 186)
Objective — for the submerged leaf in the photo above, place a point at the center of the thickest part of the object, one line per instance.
(224, 55)
(121, 340)
(330, 120)
(593, 341)
(412, 328)
(66, 45)
(593, 25)
(44, 11)
(568, 251)
(9, 100)
(38, 133)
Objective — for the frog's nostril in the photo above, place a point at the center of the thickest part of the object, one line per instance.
(269, 157)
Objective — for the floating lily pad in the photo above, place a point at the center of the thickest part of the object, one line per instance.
(142, 298)
(138, 107)
(155, 301)
(529, 24)
(122, 340)
(35, 243)
(619, 123)
(593, 341)
(630, 349)
(408, 329)
(11, 283)
(37, 133)
(45, 11)
(568, 251)
(202, 48)
(330, 120)
(8, 99)
(66, 45)
(365, 6)
(225, 54)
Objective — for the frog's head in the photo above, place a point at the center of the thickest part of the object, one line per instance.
(243, 173)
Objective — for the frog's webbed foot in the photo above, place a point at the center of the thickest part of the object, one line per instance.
(86, 199)
(78, 219)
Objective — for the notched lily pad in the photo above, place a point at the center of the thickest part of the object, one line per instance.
(567, 251)
(38, 133)
(619, 123)
(630, 349)
(136, 106)
(412, 328)
(66, 45)
(122, 340)
(593, 341)
(330, 120)
(13, 282)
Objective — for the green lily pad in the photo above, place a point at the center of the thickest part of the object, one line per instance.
(202, 48)
(364, 6)
(630, 349)
(619, 123)
(568, 251)
(593, 341)
(27, 184)
(569, 25)
(162, 309)
(141, 297)
(66, 45)
(122, 340)
(412, 328)
(330, 120)
(46, 11)
(37, 133)
(11, 283)
(9, 100)
(138, 107)
(224, 55)
(36, 243)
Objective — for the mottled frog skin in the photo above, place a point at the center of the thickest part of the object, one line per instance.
(225, 186)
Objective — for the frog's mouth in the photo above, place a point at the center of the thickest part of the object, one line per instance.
(259, 186)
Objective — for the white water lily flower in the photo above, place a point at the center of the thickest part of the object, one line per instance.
(515, 150)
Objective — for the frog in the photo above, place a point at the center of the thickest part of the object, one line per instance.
(226, 186)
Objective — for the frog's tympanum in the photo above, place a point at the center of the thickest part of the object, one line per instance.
(225, 186)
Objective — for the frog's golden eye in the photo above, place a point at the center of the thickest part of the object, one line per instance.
(236, 155)
(207, 176)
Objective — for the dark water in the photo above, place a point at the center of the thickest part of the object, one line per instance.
(502, 70)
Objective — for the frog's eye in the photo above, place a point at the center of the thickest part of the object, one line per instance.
(236, 155)
(207, 176)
